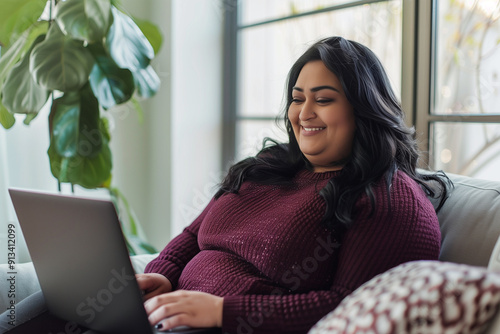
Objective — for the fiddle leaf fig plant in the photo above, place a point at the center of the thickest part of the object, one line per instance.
(82, 57)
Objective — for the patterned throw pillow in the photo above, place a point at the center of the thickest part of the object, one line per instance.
(419, 297)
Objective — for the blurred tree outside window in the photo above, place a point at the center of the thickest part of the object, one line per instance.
(467, 88)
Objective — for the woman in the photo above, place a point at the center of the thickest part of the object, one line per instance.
(294, 230)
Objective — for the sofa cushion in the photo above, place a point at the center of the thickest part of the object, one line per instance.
(419, 297)
(470, 221)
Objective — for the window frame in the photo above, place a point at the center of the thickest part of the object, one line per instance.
(425, 73)
(417, 82)
(232, 28)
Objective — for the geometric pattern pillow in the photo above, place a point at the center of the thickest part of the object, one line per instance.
(419, 297)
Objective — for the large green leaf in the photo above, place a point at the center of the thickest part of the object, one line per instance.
(64, 124)
(87, 20)
(84, 171)
(74, 125)
(146, 81)
(86, 135)
(20, 93)
(111, 85)
(10, 58)
(16, 16)
(60, 62)
(126, 43)
(90, 139)
(6, 118)
(151, 32)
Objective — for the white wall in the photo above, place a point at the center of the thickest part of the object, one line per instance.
(196, 106)
(142, 150)
(5, 210)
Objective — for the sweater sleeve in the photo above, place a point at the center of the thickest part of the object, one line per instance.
(405, 230)
(179, 251)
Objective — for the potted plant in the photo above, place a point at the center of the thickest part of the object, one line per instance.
(83, 57)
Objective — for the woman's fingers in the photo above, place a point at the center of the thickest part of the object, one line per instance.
(153, 284)
(172, 322)
(161, 307)
(185, 308)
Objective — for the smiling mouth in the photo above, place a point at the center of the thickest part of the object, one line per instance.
(312, 129)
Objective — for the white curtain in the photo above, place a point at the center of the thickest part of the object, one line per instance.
(23, 164)
(4, 208)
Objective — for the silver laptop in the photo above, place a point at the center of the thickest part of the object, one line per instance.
(81, 260)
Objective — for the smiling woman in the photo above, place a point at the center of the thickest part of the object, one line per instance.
(298, 227)
(322, 118)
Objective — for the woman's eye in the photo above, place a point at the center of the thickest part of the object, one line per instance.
(295, 100)
(323, 101)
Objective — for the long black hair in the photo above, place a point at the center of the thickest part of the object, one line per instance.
(382, 142)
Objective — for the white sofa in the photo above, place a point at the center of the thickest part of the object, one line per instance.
(470, 225)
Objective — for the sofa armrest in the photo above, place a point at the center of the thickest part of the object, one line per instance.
(139, 262)
(17, 284)
(470, 221)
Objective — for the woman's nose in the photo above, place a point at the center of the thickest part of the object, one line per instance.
(307, 111)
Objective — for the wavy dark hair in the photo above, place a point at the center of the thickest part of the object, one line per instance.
(382, 142)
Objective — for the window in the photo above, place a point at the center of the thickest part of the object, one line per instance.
(265, 37)
(441, 56)
(464, 116)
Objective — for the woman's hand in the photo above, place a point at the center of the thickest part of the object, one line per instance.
(185, 308)
(153, 284)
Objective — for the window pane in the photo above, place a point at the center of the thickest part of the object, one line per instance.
(467, 148)
(262, 10)
(250, 134)
(468, 50)
(268, 51)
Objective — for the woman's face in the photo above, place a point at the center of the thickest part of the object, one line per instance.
(322, 117)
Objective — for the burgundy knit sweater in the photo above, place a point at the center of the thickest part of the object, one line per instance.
(277, 268)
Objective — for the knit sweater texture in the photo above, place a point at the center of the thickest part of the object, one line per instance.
(279, 271)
